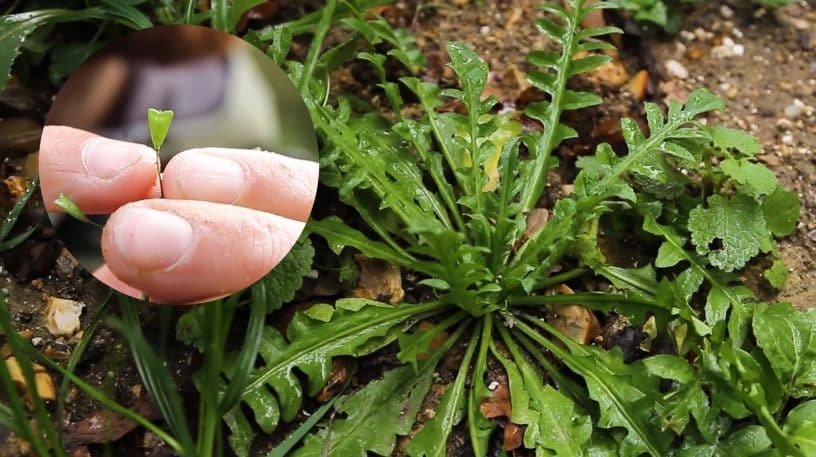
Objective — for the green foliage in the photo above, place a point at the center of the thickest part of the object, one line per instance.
(788, 339)
(736, 223)
(777, 274)
(447, 195)
(158, 123)
(378, 412)
(11, 220)
(71, 208)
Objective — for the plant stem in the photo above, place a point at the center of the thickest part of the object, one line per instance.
(314, 49)
(561, 278)
(547, 143)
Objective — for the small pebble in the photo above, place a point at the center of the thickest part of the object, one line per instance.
(812, 235)
(795, 109)
(727, 49)
(726, 12)
(495, 384)
(787, 139)
(676, 69)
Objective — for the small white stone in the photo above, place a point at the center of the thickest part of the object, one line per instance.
(795, 109)
(36, 341)
(676, 69)
(787, 139)
(493, 385)
(485, 30)
(62, 316)
(727, 49)
(687, 36)
(726, 12)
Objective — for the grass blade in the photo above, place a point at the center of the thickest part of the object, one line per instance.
(239, 378)
(317, 43)
(282, 449)
(20, 348)
(14, 214)
(76, 355)
(155, 375)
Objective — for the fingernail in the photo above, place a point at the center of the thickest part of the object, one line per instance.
(105, 158)
(150, 240)
(202, 176)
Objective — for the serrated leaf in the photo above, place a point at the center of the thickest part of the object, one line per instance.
(432, 440)
(728, 139)
(552, 420)
(736, 224)
(377, 413)
(754, 176)
(621, 401)
(286, 278)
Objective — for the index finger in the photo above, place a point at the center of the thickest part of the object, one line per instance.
(99, 174)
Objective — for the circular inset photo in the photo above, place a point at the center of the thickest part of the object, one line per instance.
(178, 164)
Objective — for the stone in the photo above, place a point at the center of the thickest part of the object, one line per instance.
(62, 316)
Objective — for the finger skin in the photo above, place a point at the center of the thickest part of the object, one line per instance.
(264, 181)
(97, 173)
(105, 276)
(185, 251)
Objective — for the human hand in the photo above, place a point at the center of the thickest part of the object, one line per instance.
(226, 218)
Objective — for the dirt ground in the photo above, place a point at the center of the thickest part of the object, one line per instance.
(762, 62)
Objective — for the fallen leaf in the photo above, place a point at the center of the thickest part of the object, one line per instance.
(105, 426)
(42, 380)
(16, 185)
(499, 404)
(513, 436)
(575, 321)
(639, 85)
(342, 368)
(379, 280)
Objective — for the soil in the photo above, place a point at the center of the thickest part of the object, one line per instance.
(776, 67)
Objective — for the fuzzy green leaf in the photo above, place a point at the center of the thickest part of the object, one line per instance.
(727, 139)
(757, 178)
(736, 223)
(286, 278)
